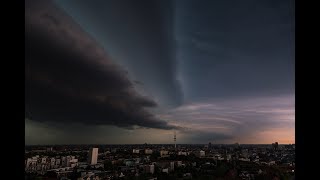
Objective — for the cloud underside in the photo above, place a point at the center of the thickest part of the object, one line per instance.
(69, 77)
(249, 120)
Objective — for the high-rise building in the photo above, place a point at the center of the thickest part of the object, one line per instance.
(275, 145)
(93, 156)
(152, 169)
(172, 166)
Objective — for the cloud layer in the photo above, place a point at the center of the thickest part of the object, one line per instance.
(246, 120)
(70, 78)
(114, 65)
(140, 35)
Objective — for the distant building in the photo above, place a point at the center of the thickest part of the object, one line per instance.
(179, 163)
(166, 170)
(164, 153)
(275, 146)
(135, 151)
(93, 156)
(148, 151)
(290, 146)
(181, 153)
(52, 161)
(210, 145)
(31, 162)
(114, 150)
(43, 160)
(68, 161)
(63, 161)
(152, 169)
(172, 166)
(272, 163)
(149, 169)
(244, 159)
(73, 162)
(200, 153)
(236, 145)
(58, 161)
(129, 162)
(245, 153)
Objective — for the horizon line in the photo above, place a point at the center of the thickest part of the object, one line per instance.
(157, 144)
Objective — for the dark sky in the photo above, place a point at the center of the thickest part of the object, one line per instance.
(220, 71)
(235, 48)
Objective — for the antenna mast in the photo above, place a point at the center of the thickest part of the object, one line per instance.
(175, 139)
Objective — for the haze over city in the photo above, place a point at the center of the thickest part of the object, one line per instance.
(133, 72)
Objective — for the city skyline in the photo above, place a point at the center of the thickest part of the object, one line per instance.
(133, 72)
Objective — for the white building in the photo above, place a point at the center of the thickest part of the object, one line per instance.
(228, 158)
(244, 159)
(44, 160)
(136, 151)
(93, 156)
(164, 153)
(31, 162)
(166, 170)
(181, 153)
(272, 163)
(200, 153)
(148, 151)
(52, 162)
(152, 169)
(28, 162)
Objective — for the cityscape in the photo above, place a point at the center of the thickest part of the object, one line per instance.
(160, 89)
(161, 161)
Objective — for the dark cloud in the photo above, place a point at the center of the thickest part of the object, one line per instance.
(70, 78)
(233, 59)
(140, 35)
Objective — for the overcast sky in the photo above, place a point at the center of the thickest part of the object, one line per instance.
(124, 71)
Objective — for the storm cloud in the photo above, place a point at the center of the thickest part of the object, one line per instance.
(140, 34)
(70, 78)
(215, 71)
